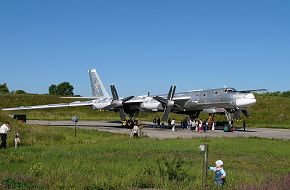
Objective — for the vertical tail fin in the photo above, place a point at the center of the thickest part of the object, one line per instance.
(97, 86)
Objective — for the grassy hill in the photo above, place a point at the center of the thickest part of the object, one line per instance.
(269, 111)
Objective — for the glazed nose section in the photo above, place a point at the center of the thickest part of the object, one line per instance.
(246, 100)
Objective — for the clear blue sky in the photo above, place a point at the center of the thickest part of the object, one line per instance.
(145, 45)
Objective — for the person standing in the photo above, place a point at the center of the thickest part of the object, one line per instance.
(197, 125)
(205, 125)
(173, 124)
(135, 131)
(200, 126)
(3, 133)
(154, 122)
(16, 140)
(189, 124)
(169, 123)
(158, 122)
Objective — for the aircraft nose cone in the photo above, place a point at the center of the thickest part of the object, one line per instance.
(250, 96)
(248, 100)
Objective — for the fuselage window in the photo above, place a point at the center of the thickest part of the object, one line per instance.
(204, 95)
(216, 93)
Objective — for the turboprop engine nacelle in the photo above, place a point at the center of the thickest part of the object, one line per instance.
(152, 106)
(101, 103)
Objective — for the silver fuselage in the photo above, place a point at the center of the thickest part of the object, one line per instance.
(226, 98)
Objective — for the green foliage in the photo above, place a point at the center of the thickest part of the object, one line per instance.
(19, 182)
(37, 169)
(63, 89)
(14, 157)
(52, 158)
(105, 185)
(12, 183)
(172, 169)
(99, 160)
(146, 178)
(52, 90)
(277, 93)
(19, 92)
(4, 89)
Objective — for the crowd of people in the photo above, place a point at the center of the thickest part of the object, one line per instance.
(198, 125)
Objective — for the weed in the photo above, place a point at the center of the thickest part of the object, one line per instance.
(37, 169)
(15, 157)
(172, 169)
(20, 182)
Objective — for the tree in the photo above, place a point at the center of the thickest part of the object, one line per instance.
(19, 92)
(4, 89)
(63, 89)
(52, 90)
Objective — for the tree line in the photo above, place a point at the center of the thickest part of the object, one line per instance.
(62, 89)
(278, 93)
(66, 89)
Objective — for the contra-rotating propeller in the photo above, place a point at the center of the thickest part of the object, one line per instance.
(168, 103)
(238, 113)
(118, 103)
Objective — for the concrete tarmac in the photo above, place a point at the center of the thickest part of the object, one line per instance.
(148, 130)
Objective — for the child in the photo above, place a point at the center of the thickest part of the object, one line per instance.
(16, 140)
(220, 173)
(135, 131)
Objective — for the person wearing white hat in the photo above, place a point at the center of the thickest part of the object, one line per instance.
(219, 171)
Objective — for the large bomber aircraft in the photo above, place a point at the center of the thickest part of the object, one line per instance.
(227, 101)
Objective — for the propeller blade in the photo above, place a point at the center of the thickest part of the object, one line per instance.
(122, 113)
(116, 103)
(114, 92)
(166, 114)
(168, 104)
(178, 107)
(160, 99)
(238, 114)
(169, 93)
(173, 92)
(127, 98)
(246, 113)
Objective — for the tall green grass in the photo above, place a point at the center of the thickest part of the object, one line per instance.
(52, 158)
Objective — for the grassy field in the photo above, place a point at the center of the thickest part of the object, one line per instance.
(269, 111)
(51, 158)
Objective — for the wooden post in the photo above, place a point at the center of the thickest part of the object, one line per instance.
(205, 167)
(75, 130)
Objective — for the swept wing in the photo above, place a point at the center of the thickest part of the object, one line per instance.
(72, 104)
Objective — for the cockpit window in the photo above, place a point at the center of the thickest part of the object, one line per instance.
(230, 90)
